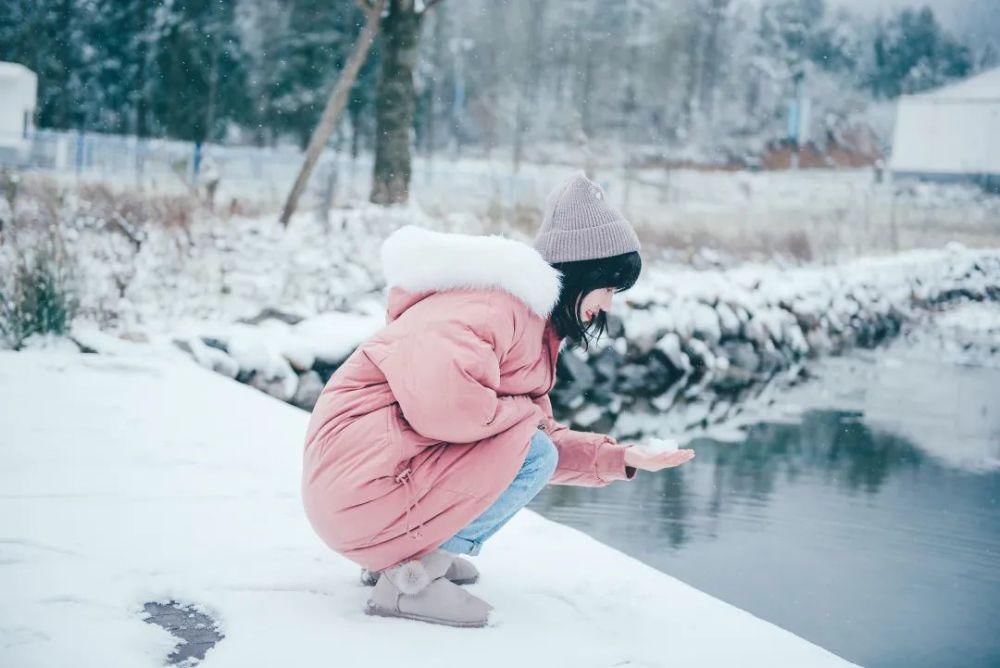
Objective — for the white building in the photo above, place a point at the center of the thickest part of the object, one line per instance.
(951, 133)
(18, 92)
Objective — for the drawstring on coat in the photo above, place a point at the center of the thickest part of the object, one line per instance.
(403, 477)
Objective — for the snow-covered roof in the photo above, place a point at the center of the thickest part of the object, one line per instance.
(18, 97)
(15, 71)
(983, 86)
(950, 130)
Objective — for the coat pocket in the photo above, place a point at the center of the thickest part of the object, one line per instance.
(404, 442)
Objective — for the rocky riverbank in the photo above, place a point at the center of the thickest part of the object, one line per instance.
(685, 346)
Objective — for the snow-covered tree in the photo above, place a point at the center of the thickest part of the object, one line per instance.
(912, 53)
(540, 79)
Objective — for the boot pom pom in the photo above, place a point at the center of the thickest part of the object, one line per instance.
(409, 577)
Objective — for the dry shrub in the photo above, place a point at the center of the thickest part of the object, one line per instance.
(797, 245)
(526, 219)
(663, 237)
(103, 226)
(130, 212)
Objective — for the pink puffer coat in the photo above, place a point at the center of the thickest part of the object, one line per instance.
(429, 420)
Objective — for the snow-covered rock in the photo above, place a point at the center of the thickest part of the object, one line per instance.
(670, 345)
(331, 337)
(209, 357)
(308, 391)
(681, 336)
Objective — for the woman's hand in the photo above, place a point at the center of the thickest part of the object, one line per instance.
(648, 460)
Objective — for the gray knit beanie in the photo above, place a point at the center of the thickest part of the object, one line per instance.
(579, 224)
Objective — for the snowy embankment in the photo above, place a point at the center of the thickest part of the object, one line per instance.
(685, 348)
(137, 476)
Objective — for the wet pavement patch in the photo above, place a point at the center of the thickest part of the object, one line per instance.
(197, 631)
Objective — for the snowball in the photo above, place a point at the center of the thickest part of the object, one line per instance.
(660, 444)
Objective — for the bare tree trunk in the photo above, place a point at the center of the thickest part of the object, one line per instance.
(587, 86)
(527, 89)
(433, 89)
(335, 104)
(394, 104)
(213, 75)
(711, 65)
(439, 39)
(694, 66)
(629, 105)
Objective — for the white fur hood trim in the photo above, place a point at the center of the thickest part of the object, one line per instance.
(418, 259)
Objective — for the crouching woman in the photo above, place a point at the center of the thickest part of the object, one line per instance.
(439, 428)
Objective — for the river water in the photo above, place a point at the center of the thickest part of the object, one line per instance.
(866, 518)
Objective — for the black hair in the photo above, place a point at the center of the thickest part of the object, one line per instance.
(579, 278)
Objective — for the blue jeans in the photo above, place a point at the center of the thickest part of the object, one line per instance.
(535, 473)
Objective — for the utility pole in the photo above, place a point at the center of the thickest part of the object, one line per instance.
(798, 118)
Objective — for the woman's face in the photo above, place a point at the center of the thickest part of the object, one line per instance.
(594, 302)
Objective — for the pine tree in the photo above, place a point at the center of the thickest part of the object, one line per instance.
(309, 57)
(913, 53)
(202, 83)
(46, 37)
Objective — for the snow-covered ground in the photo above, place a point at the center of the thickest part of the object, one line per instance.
(717, 325)
(139, 476)
(223, 269)
(720, 326)
(135, 475)
(968, 335)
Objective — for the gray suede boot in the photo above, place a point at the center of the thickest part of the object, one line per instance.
(418, 590)
(461, 572)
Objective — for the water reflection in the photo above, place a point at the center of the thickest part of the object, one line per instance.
(828, 447)
(840, 531)
(837, 445)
